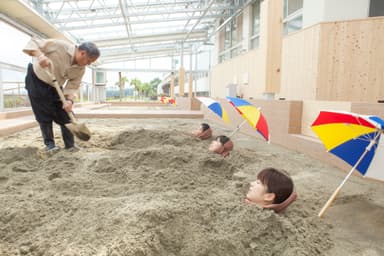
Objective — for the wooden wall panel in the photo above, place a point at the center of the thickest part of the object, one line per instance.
(335, 61)
(224, 74)
(351, 61)
(368, 108)
(273, 40)
(299, 65)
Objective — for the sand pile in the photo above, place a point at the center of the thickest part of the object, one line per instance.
(148, 192)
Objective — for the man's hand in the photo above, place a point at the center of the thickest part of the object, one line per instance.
(67, 105)
(43, 60)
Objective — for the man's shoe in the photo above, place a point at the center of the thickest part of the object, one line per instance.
(74, 148)
(52, 149)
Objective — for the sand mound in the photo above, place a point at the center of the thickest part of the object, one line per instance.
(145, 192)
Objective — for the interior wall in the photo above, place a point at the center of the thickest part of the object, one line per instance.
(317, 11)
(337, 61)
(312, 12)
(273, 40)
(345, 10)
(257, 71)
(246, 65)
(299, 68)
(351, 57)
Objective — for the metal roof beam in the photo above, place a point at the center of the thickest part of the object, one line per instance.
(135, 22)
(139, 4)
(141, 14)
(146, 70)
(128, 28)
(149, 38)
(146, 48)
(200, 18)
(137, 56)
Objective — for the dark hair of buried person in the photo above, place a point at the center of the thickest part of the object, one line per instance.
(278, 182)
(205, 126)
(223, 139)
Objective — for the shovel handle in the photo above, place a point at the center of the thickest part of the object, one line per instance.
(49, 71)
(63, 100)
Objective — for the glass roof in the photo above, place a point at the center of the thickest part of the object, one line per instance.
(131, 29)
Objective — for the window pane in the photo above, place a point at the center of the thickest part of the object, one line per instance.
(285, 28)
(227, 43)
(291, 6)
(255, 43)
(376, 8)
(295, 24)
(234, 32)
(100, 77)
(256, 18)
(294, 5)
(285, 8)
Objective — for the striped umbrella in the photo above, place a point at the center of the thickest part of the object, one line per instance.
(355, 139)
(252, 115)
(215, 107)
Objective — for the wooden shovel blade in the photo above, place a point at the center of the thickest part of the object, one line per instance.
(80, 131)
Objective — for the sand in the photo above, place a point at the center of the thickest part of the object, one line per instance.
(145, 187)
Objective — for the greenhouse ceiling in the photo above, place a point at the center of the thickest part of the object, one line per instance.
(129, 29)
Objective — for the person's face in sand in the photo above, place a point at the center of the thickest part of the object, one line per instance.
(215, 145)
(258, 195)
(197, 132)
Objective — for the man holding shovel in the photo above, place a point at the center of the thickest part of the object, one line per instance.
(56, 62)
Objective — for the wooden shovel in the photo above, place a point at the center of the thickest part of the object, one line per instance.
(79, 130)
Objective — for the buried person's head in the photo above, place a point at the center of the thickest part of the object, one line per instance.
(204, 132)
(272, 189)
(221, 145)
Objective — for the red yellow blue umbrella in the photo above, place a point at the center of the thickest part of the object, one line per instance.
(215, 107)
(355, 139)
(251, 114)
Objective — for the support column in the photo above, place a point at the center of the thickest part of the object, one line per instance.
(181, 73)
(120, 88)
(190, 81)
(197, 77)
(81, 98)
(93, 86)
(190, 92)
(271, 40)
(172, 86)
(181, 81)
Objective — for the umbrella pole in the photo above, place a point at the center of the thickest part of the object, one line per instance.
(237, 128)
(333, 196)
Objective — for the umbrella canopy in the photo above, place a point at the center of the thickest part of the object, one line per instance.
(251, 114)
(347, 135)
(215, 107)
(355, 139)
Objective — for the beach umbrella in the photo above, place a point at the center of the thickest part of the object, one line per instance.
(252, 115)
(215, 107)
(355, 139)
